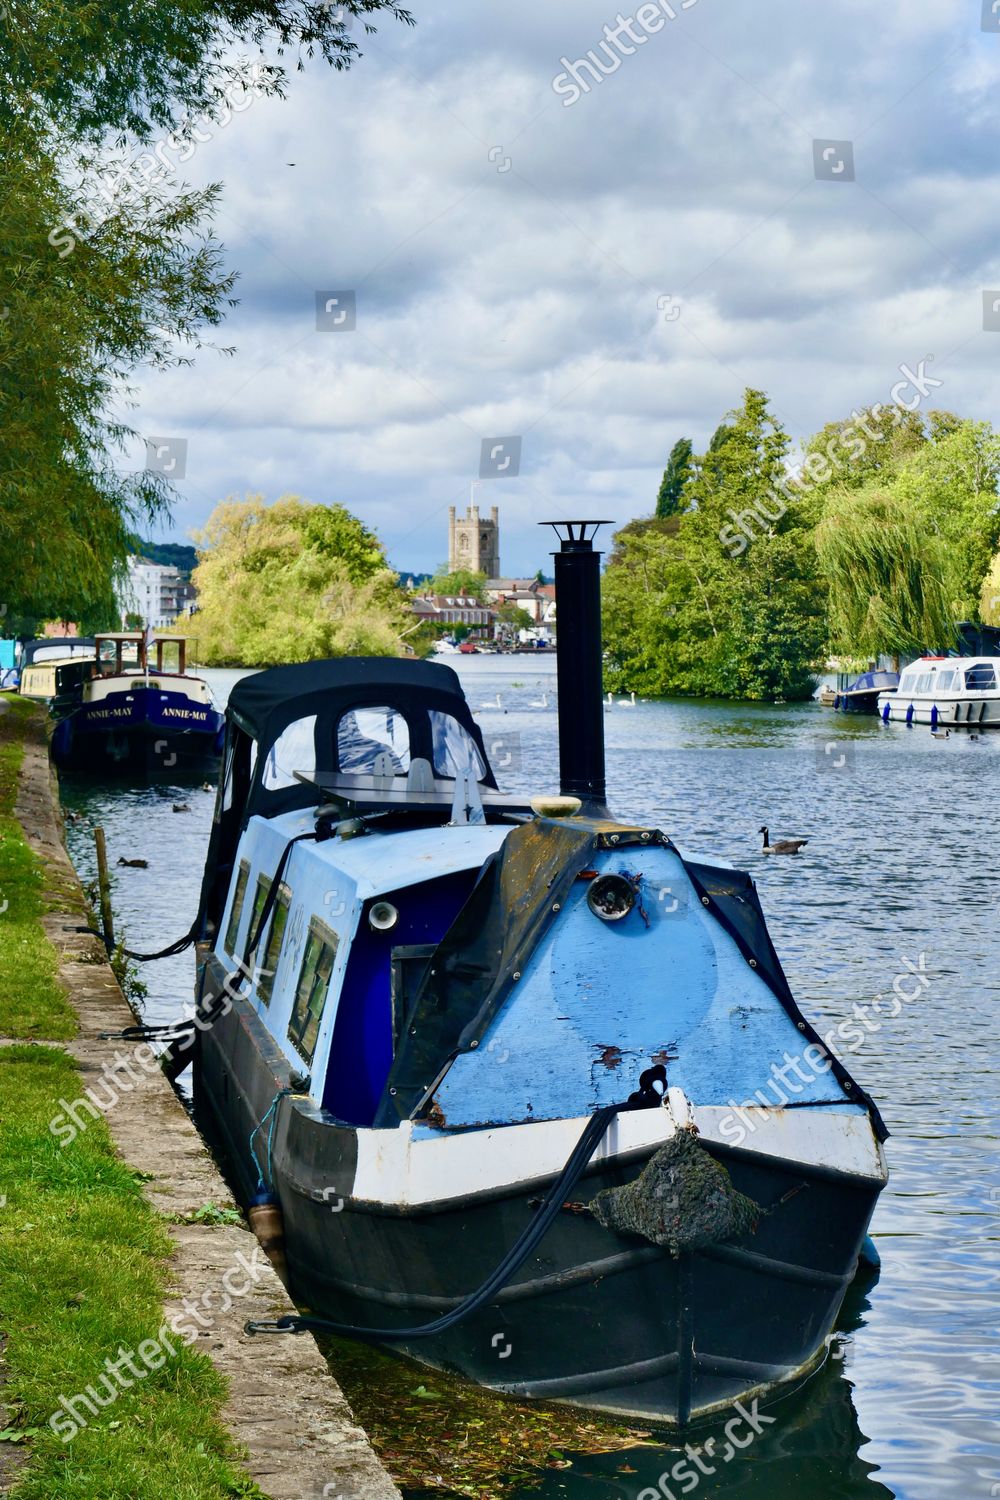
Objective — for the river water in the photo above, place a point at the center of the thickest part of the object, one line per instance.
(901, 865)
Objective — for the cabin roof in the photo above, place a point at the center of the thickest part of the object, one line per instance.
(265, 702)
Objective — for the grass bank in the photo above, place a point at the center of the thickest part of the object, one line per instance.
(83, 1257)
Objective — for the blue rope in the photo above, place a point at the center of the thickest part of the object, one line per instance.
(272, 1114)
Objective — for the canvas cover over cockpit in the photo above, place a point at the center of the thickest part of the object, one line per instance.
(351, 714)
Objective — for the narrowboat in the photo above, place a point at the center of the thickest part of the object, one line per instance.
(862, 695)
(41, 659)
(525, 1086)
(135, 707)
(953, 691)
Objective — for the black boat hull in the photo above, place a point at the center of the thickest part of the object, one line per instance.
(599, 1320)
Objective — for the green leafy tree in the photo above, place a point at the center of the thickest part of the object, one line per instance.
(907, 554)
(293, 581)
(462, 583)
(728, 601)
(669, 500)
(93, 69)
(73, 330)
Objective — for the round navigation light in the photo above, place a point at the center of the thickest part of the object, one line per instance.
(383, 916)
(611, 897)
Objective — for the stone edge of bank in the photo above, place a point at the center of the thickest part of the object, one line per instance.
(284, 1406)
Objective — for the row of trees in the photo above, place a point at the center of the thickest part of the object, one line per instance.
(747, 577)
(107, 260)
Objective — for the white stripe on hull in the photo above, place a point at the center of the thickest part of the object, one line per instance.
(402, 1169)
(960, 711)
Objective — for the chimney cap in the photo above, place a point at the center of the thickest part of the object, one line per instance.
(569, 538)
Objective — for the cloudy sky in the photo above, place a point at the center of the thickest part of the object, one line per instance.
(598, 277)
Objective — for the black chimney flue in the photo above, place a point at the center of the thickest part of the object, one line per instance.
(579, 664)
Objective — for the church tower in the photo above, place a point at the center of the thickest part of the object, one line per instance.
(474, 543)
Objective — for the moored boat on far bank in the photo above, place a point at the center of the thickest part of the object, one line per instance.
(947, 690)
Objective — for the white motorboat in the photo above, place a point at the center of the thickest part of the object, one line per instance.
(948, 690)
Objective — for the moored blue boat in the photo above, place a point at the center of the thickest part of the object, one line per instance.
(124, 713)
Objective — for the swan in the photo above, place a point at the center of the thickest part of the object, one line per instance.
(542, 702)
(627, 702)
(495, 703)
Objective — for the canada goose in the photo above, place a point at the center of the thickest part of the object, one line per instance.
(782, 846)
(941, 734)
(181, 807)
(135, 864)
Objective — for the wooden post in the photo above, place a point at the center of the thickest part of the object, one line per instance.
(104, 887)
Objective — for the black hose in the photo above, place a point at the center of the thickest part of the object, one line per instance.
(516, 1256)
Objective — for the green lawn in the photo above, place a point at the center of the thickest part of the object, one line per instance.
(83, 1258)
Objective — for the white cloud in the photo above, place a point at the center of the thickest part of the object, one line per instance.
(495, 299)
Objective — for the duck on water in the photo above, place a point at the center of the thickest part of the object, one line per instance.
(487, 1059)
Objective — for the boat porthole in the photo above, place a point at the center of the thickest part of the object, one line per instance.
(704, 900)
(753, 963)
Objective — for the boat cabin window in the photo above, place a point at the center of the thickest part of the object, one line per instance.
(455, 751)
(233, 929)
(310, 993)
(293, 750)
(945, 682)
(364, 735)
(923, 683)
(981, 678)
(272, 950)
(259, 897)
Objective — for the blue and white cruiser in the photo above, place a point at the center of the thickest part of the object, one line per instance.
(507, 1071)
(948, 690)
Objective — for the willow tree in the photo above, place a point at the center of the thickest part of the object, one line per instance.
(906, 550)
(885, 574)
(91, 69)
(142, 290)
(687, 612)
(107, 261)
(292, 581)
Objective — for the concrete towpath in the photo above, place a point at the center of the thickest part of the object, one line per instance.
(284, 1406)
